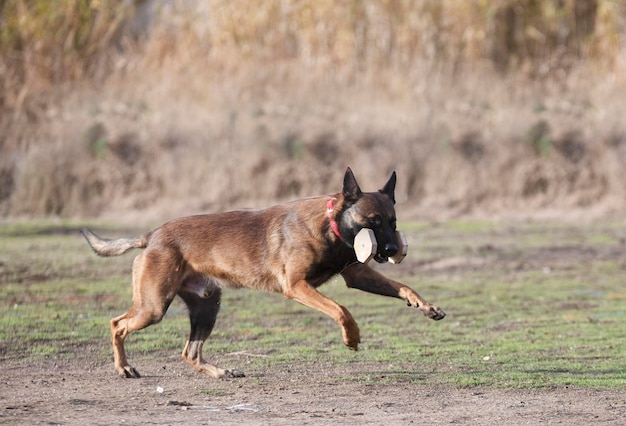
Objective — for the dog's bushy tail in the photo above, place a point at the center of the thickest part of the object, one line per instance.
(105, 247)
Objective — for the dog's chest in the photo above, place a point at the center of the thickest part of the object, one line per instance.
(332, 263)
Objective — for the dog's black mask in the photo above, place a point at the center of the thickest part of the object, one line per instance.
(373, 210)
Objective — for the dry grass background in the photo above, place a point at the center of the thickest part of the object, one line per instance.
(151, 109)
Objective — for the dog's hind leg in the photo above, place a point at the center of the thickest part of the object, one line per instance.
(153, 284)
(135, 319)
(202, 297)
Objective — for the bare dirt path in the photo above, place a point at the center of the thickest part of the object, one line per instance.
(171, 393)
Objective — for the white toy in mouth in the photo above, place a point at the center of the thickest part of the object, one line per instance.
(366, 246)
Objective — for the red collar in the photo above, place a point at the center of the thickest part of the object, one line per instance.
(330, 207)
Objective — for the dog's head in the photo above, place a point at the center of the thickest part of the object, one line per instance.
(374, 210)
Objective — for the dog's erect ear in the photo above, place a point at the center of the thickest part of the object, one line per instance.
(390, 187)
(351, 190)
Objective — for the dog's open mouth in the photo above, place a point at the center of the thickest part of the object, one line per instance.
(380, 258)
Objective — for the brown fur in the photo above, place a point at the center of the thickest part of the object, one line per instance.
(289, 248)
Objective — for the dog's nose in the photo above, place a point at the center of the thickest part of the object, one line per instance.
(390, 249)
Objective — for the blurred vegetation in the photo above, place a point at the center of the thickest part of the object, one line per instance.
(478, 101)
(50, 42)
(397, 33)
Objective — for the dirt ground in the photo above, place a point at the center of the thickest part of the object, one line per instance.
(172, 393)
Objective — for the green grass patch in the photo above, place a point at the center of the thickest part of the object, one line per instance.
(546, 306)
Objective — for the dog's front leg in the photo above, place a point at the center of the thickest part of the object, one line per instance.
(306, 294)
(365, 278)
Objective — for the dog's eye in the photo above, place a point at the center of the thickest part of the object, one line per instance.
(375, 221)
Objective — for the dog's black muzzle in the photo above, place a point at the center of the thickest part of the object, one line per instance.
(387, 250)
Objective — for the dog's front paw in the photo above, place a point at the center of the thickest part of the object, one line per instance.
(352, 342)
(352, 337)
(349, 330)
(433, 312)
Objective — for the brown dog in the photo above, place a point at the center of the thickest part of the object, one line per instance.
(291, 248)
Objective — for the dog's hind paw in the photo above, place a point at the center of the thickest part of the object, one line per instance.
(233, 374)
(128, 372)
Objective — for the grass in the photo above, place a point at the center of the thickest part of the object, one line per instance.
(546, 307)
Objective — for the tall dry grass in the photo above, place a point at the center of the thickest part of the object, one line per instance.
(172, 107)
(45, 43)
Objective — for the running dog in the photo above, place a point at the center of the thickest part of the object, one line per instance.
(292, 248)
